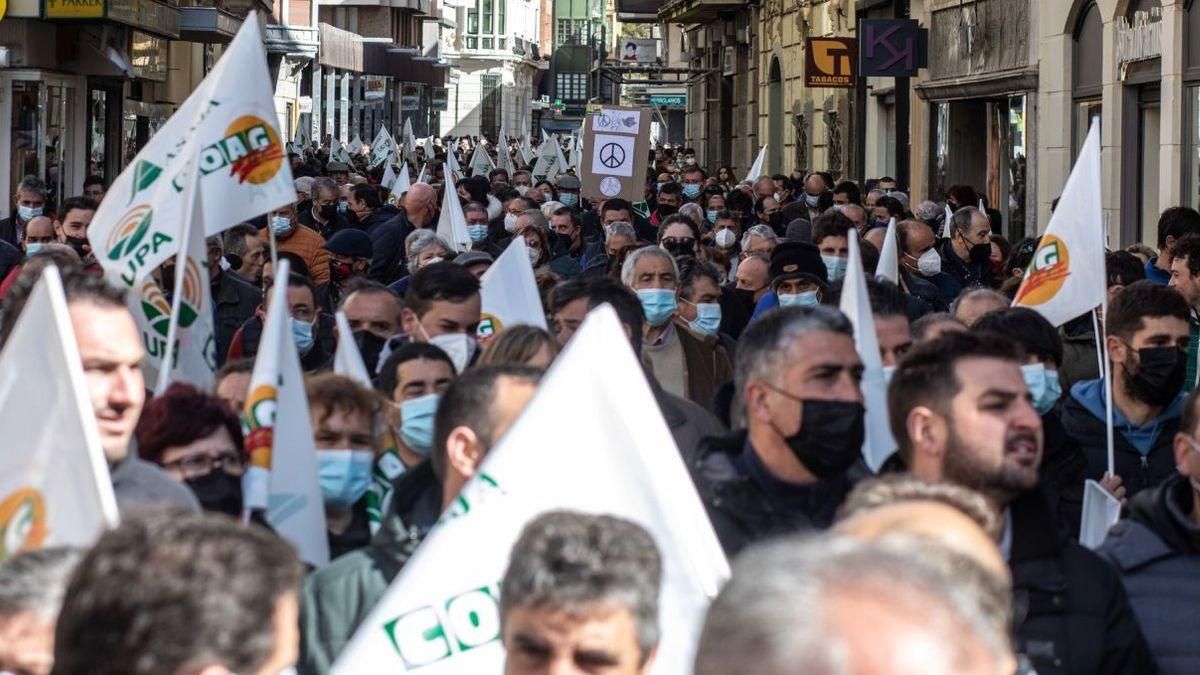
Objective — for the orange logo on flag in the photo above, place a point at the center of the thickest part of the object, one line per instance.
(258, 425)
(1048, 271)
(489, 326)
(22, 522)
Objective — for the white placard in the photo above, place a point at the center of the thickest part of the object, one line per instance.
(613, 155)
(617, 121)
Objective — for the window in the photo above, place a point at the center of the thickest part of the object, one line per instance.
(564, 32)
(572, 86)
(489, 112)
(486, 25)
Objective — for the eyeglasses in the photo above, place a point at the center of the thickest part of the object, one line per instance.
(194, 466)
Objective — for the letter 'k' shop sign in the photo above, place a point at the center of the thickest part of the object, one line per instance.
(891, 47)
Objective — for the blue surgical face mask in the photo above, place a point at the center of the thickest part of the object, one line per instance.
(658, 304)
(33, 249)
(711, 216)
(804, 299)
(416, 423)
(343, 207)
(28, 213)
(812, 200)
(835, 267)
(281, 225)
(708, 318)
(691, 190)
(478, 232)
(344, 476)
(1043, 385)
(568, 199)
(302, 335)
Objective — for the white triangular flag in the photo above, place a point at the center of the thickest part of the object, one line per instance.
(230, 120)
(191, 340)
(421, 176)
(526, 149)
(338, 152)
(509, 293)
(481, 162)
(982, 208)
(357, 146)
(946, 222)
(756, 169)
(1067, 276)
(151, 312)
(440, 614)
(301, 138)
(389, 175)
(504, 159)
(410, 142)
(347, 360)
(452, 223)
(574, 160)
(878, 444)
(400, 186)
(452, 160)
(382, 148)
(558, 155)
(1100, 512)
(282, 476)
(55, 489)
(546, 167)
(545, 137)
(888, 266)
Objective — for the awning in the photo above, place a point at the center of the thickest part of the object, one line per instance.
(340, 49)
(637, 11)
(979, 86)
(406, 66)
(207, 24)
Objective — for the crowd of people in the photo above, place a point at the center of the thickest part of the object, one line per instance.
(959, 556)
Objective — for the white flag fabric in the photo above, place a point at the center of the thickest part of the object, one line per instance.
(440, 615)
(561, 161)
(230, 121)
(191, 340)
(574, 160)
(452, 223)
(526, 149)
(400, 185)
(54, 484)
(505, 160)
(357, 145)
(878, 443)
(946, 222)
(282, 476)
(546, 167)
(481, 162)
(152, 313)
(756, 169)
(301, 138)
(382, 148)
(1100, 512)
(389, 175)
(410, 141)
(421, 176)
(888, 266)
(338, 152)
(1067, 277)
(509, 293)
(347, 360)
(452, 160)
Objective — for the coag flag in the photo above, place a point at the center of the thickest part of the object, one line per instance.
(382, 148)
(229, 122)
(441, 614)
(191, 342)
(1066, 277)
(509, 293)
(452, 223)
(338, 152)
(878, 443)
(481, 162)
(54, 484)
(888, 266)
(347, 360)
(756, 169)
(282, 477)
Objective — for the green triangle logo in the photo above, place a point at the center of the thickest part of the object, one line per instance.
(144, 175)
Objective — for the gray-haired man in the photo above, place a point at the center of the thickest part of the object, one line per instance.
(581, 596)
(31, 591)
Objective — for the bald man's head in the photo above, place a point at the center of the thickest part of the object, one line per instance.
(39, 230)
(420, 203)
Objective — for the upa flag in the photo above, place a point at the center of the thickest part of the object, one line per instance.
(399, 186)
(756, 169)
(1066, 277)
(191, 341)
(452, 223)
(481, 162)
(282, 476)
(441, 614)
(509, 293)
(382, 148)
(229, 122)
(151, 312)
(888, 266)
(347, 360)
(878, 443)
(54, 484)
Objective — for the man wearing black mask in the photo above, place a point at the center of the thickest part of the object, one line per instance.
(350, 253)
(670, 198)
(72, 228)
(798, 377)
(1147, 329)
(966, 254)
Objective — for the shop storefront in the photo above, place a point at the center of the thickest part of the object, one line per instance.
(1191, 88)
(1139, 71)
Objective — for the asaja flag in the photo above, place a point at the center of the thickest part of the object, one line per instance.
(54, 484)
(509, 293)
(230, 122)
(440, 614)
(481, 162)
(452, 223)
(1066, 277)
(400, 185)
(191, 341)
(878, 443)
(347, 360)
(756, 169)
(282, 476)
(382, 148)
(888, 266)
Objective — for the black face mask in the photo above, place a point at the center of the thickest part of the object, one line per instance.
(665, 210)
(218, 492)
(745, 297)
(369, 345)
(79, 244)
(1158, 376)
(981, 253)
(680, 249)
(830, 437)
(329, 211)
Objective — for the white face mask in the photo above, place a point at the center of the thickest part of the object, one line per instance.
(522, 189)
(930, 263)
(510, 222)
(724, 238)
(534, 256)
(460, 347)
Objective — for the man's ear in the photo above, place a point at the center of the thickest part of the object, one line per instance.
(927, 434)
(409, 322)
(1118, 351)
(464, 452)
(754, 398)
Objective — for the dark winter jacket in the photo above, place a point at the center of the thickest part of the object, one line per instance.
(234, 302)
(383, 226)
(1157, 551)
(1061, 473)
(968, 274)
(1070, 611)
(1143, 456)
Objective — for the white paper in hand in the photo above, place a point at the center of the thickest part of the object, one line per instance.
(1101, 511)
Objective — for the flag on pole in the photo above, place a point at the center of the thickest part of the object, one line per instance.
(1067, 277)
(282, 476)
(574, 159)
(558, 156)
(421, 176)
(399, 186)
(526, 149)
(54, 484)
(756, 169)
(151, 312)
(382, 148)
(357, 145)
(504, 159)
(878, 443)
(452, 223)
(946, 222)
(452, 160)
(546, 166)
(230, 122)
(481, 162)
(410, 142)
(338, 152)
(440, 614)
(509, 293)
(888, 266)
(347, 360)
(389, 175)
(191, 340)
(301, 138)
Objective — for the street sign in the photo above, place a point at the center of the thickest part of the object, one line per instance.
(829, 62)
(891, 47)
(617, 140)
(668, 100)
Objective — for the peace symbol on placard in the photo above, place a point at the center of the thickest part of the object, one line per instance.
(612, 155)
